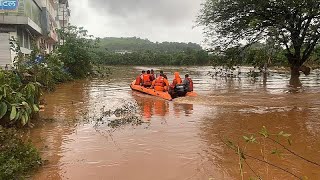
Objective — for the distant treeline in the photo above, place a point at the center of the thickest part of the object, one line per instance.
(136, 51)
(134, 44)
(190, 57)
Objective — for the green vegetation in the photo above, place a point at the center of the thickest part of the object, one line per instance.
(136, 51)
(291, 24)
(21, 89)
(134, 44)
(17, 158)
(18, 102)
(76, 51)
(190, 57)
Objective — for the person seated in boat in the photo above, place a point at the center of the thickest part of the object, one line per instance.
(176, 80)
(139, 79)
(152, 76)
(188, 83)
(160, 84)
(177, 88)
(163, 75)
(147, 79)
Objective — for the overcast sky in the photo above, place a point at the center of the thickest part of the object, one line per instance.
(156, 20)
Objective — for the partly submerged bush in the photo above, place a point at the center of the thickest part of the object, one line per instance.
(18, 101)
(17, 158)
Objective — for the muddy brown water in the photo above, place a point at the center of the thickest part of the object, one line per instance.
(181, 139)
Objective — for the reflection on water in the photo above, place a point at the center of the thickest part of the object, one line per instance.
(153, 106)
(179, 139)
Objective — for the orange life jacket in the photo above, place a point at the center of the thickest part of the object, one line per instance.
(138, 80)
(160, 82)
(146, 80)
(190, 84)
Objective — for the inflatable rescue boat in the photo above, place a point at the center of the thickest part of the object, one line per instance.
(164, 95)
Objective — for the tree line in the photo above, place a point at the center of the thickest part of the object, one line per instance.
(188, 57)
(113, 44)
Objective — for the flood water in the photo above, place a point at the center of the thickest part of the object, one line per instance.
(182, 139)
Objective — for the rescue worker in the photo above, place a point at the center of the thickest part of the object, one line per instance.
(176, 80)
(188, 83)
(152, 76)
(140, 78)
(160, 84)
(146, 79)
(163, 75)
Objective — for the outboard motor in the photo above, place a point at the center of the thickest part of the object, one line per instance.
(180, 90)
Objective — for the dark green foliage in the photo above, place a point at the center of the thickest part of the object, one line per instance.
(191, 57)
(134, 44)
(76, 50)
(291, 24)
(16, 157)
(136, 51)
(18, 102)
(257, 54)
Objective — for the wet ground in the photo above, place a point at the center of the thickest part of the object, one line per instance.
(100, 129)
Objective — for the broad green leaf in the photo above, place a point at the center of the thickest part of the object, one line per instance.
(4, 92)
(23, 120)
(35, 108)
(1, 97)
(28, 109)
(17, 116)
(3, 109)
(25, 104)
(13, 113)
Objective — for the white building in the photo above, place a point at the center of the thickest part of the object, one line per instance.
(28, 21)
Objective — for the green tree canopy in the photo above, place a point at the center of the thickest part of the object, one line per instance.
(293, 24)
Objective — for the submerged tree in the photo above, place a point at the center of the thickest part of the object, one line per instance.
(294, 24)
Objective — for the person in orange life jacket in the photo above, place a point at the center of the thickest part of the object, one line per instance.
(152, 76)
(176, 80)
(188, 83)
(160, 84)
(139, 79)
(147, 79)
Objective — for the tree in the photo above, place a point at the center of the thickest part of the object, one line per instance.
(76, 51)
(293, 24)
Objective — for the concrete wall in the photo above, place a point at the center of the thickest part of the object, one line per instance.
(27, 8)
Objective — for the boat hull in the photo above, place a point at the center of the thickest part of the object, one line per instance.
(164, 95)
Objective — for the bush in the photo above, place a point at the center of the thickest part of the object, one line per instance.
(16, 157)
(18, 101)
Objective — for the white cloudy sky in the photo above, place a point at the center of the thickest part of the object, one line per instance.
(157, 20)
